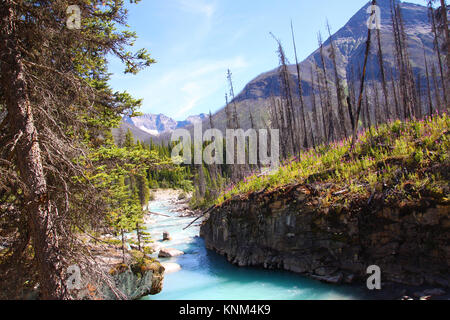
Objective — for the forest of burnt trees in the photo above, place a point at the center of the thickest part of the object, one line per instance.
(340, 107)
(337, 108)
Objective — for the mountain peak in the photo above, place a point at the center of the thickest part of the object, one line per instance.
(157, 124)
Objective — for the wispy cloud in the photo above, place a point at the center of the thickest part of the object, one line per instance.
(185, 87)
(190, 76)
(206, 8)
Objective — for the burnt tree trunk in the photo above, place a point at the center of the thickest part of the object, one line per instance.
(322, 104)
(427, 73)
(339, 92)
(329, 111)
(314, 108)
(437, 48)
(363, 79)
(387, 113)
(436, 89)
(300, 93)
(447, 42)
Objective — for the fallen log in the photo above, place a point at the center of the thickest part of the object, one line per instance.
(158, 214)
(201, 215)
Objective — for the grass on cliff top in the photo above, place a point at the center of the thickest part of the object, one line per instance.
(407, 158)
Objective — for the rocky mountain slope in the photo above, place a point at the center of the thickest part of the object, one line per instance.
(152, 126)
(350, 45)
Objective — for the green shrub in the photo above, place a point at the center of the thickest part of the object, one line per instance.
(376, 160)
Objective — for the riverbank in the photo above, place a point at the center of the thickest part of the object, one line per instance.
(177, 199)
(205, 275)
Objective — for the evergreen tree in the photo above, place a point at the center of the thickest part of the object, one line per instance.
(57, 106)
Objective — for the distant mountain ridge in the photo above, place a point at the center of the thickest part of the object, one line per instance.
(151, 126)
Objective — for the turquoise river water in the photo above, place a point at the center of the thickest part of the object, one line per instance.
(206, 275)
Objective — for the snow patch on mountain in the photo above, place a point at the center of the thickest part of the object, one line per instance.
(156, 124)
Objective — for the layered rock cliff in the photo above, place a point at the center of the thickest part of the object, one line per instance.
(288, 229)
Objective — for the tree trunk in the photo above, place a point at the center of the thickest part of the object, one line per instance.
(361, 90)
(314, 109)
(447, 41)
(341, 124)
(407, 69)
(350, 113)
(122, 234)
(430, 100)
(387, 113)
(436, 89)
(322, 104)
(376, 104)
(300, 93)
(41, 217)
(329, 111)
(419, 98)
(438, 50)
(394, 92)
(138, 233)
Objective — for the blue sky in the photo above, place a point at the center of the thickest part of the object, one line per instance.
(196, 41)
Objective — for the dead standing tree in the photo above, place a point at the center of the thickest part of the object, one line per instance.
(394, 92)
(329, 114)
(339, 90)
(238, 170)
(437, 47)
(315, 120)
(401, 53)
(288, 109)
(363, 78)
(387, 112)
(322, 101)
(300, 94)
(444, 27)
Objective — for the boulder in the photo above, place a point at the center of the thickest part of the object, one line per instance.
(155, 246)
(166, 236)
(169, 252)
(336, 279)
(170, 267)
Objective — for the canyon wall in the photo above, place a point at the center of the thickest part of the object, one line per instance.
(289, 229)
